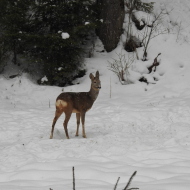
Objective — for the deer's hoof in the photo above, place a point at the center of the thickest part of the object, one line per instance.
(76, 135)
(51, 137)
(84, 136)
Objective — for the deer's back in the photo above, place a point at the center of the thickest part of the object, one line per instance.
(76, 102)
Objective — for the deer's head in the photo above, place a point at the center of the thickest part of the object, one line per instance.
(95, 81)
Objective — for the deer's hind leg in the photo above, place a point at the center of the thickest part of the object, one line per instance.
(78, 123)
(67, 117)
(58, 113)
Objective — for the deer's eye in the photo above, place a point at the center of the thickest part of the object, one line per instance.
(95, 82)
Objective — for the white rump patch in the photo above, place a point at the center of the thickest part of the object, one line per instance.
(61, 103)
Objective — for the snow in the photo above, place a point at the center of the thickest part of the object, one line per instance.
(142, 16)
(143, 128)
(65, 35)
(44, 79)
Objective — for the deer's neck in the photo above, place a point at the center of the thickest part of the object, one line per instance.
(93, 93)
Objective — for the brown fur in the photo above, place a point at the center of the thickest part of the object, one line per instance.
(76, 102)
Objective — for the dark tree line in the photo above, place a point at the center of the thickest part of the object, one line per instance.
(31, 33)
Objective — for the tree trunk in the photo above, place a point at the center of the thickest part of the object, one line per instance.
(14, 53)
(112, 16)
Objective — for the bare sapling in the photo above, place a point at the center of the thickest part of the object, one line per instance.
(121, 65)
(76, 102)
(153, 30)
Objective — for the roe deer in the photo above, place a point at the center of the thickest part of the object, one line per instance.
(76, 102)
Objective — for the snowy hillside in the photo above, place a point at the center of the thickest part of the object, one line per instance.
(143, 128)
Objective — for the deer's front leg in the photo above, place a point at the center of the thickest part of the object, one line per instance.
(78, 123)
(83, 122)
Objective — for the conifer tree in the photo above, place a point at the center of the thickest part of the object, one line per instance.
(36, 30)
(60, 57)
(14, 23)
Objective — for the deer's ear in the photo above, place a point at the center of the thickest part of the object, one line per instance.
(97, 74)
(91, 76)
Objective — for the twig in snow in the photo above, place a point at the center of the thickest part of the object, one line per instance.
(73, 178)
(154, 64)
(129, 182)
(116, 183)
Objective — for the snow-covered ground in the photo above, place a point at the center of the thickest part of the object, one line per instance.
(143, 128)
